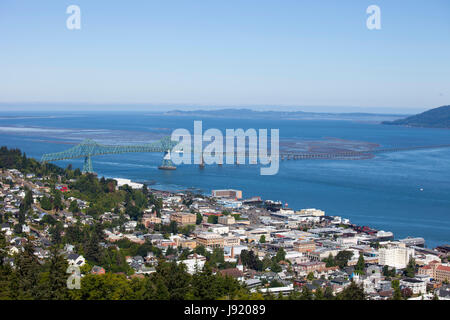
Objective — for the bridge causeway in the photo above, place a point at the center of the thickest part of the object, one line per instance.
(89, 148)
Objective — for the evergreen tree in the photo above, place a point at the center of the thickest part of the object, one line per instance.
(46, 203)
(410, 270)
(26, 276)
(306, 294)
(318, 295)
(352, 292)
(281, 255)
(55, 288)
(360, 265)
(328, 294)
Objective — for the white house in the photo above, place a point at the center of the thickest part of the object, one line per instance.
(417, 286)
(76, 260)
(194, 263)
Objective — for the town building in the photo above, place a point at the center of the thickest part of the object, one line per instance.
(227, 193)
(396, 255)
(304, 246)
(183, 219)
(417, 286)
(210, 239)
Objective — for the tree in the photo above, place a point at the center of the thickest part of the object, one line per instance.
(74, 207)
(57, 202)
(275, 267)
(199, 218)
(397, 292)
(306, 294)
(28, 200)
(55, 286)
(281, 255)
(46, 204)
(175, 278)
(318, 295)
(26, 276)
(342, 258)
(329, 261)
(251, 261)
(213, 219)
(328, 294)
(352, 292)
(360, 265)
(262, 239)
(267, 262)
(310, 276)
(410, 270)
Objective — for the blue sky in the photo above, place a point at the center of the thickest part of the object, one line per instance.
(313, 55)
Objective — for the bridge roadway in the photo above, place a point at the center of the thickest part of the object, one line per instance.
(354, 154)
(89, 148)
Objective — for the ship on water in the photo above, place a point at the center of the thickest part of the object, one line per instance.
(167, 163)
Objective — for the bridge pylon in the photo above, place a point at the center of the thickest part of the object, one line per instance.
(87, 166)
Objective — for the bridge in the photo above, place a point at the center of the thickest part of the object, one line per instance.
(89, 148)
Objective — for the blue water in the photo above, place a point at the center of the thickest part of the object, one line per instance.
(383, 192)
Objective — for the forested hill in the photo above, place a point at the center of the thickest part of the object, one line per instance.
(434, 118)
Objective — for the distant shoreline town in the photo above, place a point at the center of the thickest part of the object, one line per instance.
(128, 234)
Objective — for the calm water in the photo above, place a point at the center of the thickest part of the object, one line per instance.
(383, 192)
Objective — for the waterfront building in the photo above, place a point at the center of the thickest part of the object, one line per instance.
(396, 255)
(311, 212)
(420, 242)
(227, 193)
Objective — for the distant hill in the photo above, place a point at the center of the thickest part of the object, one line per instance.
(434, 118)
(286, 115)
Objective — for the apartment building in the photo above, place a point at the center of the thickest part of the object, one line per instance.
(436, 270)
(396, 255)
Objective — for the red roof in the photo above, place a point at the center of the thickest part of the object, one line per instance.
(443, 268)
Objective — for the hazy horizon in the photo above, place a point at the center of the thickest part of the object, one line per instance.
(166, 107)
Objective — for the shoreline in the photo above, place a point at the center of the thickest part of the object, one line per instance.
(350, 224)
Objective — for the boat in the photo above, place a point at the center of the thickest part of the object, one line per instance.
(167, 168)
(167, 163)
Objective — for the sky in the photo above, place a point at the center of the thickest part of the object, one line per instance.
(281, 54)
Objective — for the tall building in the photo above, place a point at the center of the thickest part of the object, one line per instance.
(396, 255)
